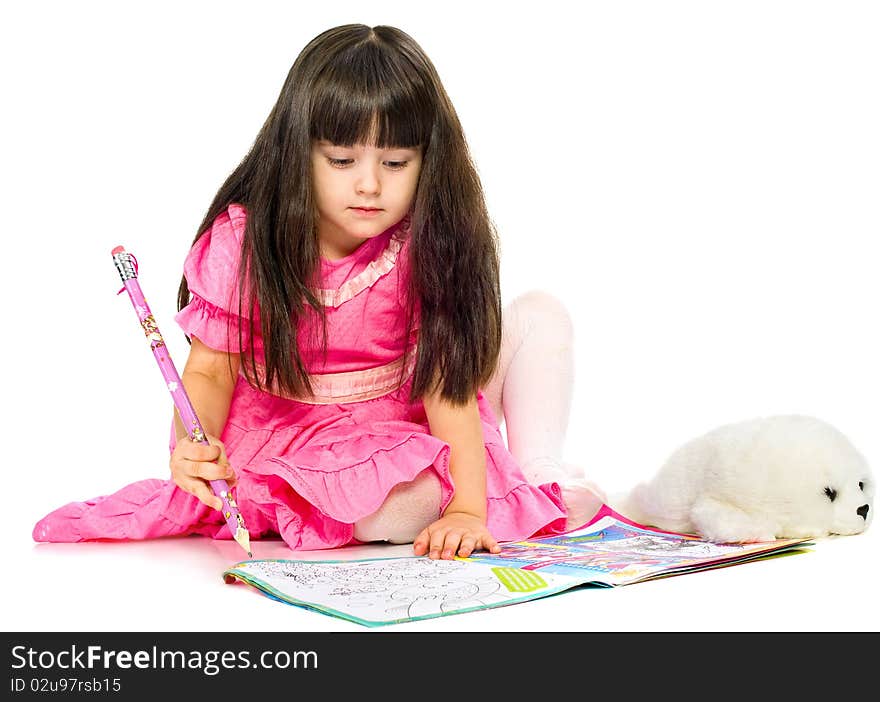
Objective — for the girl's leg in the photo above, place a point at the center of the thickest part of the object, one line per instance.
(408, 508)
(531, 391)
(531, 388)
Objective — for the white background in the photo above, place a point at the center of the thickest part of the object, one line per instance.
(698, 181)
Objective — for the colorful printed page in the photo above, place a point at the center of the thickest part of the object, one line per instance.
(608, 552)
(612, 550)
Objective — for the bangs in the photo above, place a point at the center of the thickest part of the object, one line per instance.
(370, 96)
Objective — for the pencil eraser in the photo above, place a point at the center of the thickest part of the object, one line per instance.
(118, 249)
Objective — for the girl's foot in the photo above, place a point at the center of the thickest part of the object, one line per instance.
(582, 498)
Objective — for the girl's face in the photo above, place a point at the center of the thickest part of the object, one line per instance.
(360, 191)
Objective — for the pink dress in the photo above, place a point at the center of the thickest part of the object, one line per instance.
(308, 470)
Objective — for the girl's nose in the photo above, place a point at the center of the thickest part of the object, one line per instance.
(368, 180)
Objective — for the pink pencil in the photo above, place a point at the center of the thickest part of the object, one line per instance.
(126, 264)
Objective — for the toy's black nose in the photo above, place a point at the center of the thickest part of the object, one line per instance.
(863, 511)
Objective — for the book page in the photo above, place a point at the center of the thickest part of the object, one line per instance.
(613, 551)
(386, 590)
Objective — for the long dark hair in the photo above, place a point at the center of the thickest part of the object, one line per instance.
(351, 84)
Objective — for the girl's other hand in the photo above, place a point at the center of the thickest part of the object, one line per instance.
(454, 532)
(194, 464)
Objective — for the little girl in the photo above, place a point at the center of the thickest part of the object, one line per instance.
(348, 359)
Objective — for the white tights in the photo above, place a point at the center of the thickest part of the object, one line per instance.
(530, 392)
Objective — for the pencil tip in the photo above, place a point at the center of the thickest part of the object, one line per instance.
(243, 538)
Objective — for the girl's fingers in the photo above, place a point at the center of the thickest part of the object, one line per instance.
(196, 452)
(220, 448)
(421, 542)
(211, 471)
(201, 490)
(451, 542)
(468, 544)
(437, 538)
(444, 543)
(490, 544)
(202, 453)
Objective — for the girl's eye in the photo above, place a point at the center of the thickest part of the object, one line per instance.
(831, 493)
(861, 486)
(344, 162)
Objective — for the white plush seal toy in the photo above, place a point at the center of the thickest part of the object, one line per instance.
(787, 476)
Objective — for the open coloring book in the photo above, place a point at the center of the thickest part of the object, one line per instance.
(608, 552)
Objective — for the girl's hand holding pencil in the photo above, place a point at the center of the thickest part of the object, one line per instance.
(193, 465)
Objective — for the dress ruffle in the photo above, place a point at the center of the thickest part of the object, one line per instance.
(375, 270)
(212, 325)
(146, 509)
(311, 494)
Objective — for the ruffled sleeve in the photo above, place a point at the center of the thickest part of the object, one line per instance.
(211, 272)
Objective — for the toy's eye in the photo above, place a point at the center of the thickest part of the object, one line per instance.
(861, 486)
(832, 493)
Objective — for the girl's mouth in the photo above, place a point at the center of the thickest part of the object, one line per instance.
(366, 211)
